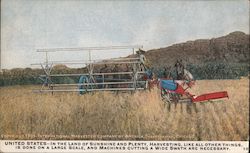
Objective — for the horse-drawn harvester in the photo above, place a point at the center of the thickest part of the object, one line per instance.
(127, 74)
(102, 74)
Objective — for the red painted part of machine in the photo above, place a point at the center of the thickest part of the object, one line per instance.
(210, 96)
(179, 90)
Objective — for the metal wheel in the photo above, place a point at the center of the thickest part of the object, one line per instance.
(83, 88)
(166, 96)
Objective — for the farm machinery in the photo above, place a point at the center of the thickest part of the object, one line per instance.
(115, 74)
(176, 90)
(127, 74)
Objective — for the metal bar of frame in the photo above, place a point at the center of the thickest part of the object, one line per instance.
(100, 83)
(77, 90)
(86, 61)
(97, 63)
(93, 61)
(89, 48)
(114, 73)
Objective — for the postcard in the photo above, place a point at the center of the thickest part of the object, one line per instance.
(124, 76)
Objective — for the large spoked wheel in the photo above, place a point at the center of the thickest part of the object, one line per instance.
(170, 97)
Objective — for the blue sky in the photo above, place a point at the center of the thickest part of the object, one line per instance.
(27, 25)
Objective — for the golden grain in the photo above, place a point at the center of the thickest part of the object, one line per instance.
(142, 113)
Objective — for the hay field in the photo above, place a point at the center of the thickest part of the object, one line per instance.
(142, 115)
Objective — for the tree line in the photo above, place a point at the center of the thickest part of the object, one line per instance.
(203, 71)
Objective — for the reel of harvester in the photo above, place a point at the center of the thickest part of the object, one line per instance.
(107, 74)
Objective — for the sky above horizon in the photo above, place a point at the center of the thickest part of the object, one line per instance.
(27, 25)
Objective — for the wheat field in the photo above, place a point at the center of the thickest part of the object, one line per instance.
(141, 115)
